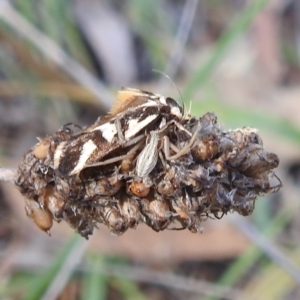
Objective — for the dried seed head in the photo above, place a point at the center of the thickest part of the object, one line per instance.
(203, 171)
(183, 214)
(165, 186)
(139, 189)
(157, 213)
(205, 149)
(113, 220)
(260, 163)
(127, 163)
(53, 201)
(130, 210)
(42, 217)
(107, 186)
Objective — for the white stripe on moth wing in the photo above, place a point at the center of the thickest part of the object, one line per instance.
(162, 100)
(87, 149)
(108, 130)
(57, 154)
(148, 103)
(154, 96)
(134, 126)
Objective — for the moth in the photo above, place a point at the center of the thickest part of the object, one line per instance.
(134, 114)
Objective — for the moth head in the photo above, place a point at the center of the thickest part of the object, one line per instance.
(176, 109)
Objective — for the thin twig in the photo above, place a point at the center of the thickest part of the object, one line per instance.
(8, 175)
(54, 53)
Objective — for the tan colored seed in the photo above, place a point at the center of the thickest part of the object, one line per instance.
(41, 149)
(139, 189)
(41, 217)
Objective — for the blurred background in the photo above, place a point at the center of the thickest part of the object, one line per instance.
(63, 61)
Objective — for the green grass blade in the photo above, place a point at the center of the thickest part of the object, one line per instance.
(128, 289)
(238, 117)
(16, 285)
(39, 285)
(242, 264)
(95, 284)
(26, 8)
(227, 39)
(273, 282)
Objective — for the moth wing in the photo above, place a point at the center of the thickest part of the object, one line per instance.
(129, 98)
(89, 148)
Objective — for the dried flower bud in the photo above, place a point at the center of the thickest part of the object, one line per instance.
(42, 148)
(145, 163)
(42, 217)
(139, 189)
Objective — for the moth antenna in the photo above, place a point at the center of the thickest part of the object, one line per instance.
(167, 76)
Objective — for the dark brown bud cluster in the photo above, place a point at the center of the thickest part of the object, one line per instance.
(172, 178)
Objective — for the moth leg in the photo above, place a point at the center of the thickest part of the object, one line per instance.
(121, 136)
(134, 140)
(180, 127)
(167, 145)
(275, 188)
(115, 159)
(120, 133)
(163, 161)
(173, 147)
(177, 124)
